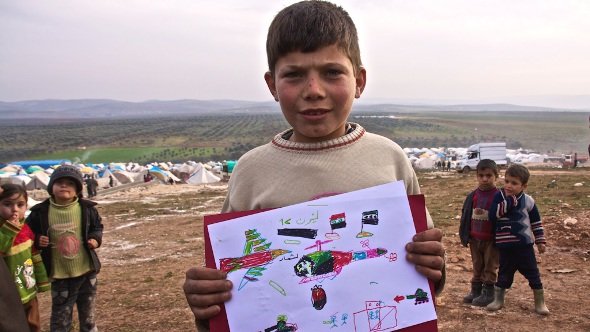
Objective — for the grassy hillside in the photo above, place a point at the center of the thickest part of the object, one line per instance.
(209, 137)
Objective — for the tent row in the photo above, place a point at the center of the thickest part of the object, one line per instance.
(37, 177)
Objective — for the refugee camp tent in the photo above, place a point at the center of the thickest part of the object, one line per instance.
(124, 176)
(39, 180)
(15, 179)
(103, 180)
(184, 171)
(11, 169)
(424, 163)
(202, 176)
(33, 169)
(43, 163)
(230, 165)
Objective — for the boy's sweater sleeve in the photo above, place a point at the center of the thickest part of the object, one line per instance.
(501, 205)
(8, 233)
(34, 224)
(464, 226)
(96, 226)
(537, 225)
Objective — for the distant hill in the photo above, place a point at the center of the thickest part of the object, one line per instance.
(115, 109)
(110, 109)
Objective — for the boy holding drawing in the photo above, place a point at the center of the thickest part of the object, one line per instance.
(315, 73)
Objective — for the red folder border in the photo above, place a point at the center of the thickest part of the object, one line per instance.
(219, 323)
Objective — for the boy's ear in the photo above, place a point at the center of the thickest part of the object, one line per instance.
(361, 81)
(270, 82)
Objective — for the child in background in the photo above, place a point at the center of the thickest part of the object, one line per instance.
(16, 247)
(476, 231)
(518, 227)
(68, 228)
(315, 73)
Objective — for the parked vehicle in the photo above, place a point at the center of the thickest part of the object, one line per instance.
(569, 161)
(475, 153)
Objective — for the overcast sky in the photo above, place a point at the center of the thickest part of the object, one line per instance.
(139, 50)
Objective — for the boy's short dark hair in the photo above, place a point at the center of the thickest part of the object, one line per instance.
(487, 164)
(307, 26)
(520, 172)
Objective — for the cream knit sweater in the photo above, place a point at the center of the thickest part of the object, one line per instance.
(283, 173)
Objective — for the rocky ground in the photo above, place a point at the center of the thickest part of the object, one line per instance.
(154, 233)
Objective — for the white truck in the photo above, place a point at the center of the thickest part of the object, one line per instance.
(477, 152)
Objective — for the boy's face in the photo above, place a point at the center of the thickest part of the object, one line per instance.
(13, 208)
(316, 91)
(513, 185)
(64, 190)
(486, 179)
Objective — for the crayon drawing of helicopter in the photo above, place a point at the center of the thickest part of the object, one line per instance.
(327, 264)
(257, 254)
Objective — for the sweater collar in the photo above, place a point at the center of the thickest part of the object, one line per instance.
(65, 206)
(356, 132)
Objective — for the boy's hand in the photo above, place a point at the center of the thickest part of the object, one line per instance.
(427, 252)
(541, 247)
(43, 241)
(205, 289)
(92, 244)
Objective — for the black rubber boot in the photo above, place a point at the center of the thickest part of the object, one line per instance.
(475, 292)
(486, 297)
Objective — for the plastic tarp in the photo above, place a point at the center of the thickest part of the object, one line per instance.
(42, 163)
(33, 169)
(230, 165)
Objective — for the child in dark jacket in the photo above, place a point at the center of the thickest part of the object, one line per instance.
(517, 227)
(68, 229)
(476, 231)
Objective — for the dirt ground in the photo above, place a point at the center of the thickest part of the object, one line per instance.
(154, 233)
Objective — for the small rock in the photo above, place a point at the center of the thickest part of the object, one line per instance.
(457, 217)
(563, 270)
(450, 204)
(570, 222)
(454, 260)
(565, 205)
(579, 184)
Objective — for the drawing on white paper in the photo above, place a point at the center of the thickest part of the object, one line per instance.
(337, 221)
(318, 297)
(256, 256)
(327, 264)
(368, 218)
(282, 325)
(324, 283)
(376, 317)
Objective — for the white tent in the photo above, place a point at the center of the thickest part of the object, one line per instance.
(424, 163)
(124, 177)
(39, 180)
(202, 175)
(103, 181)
